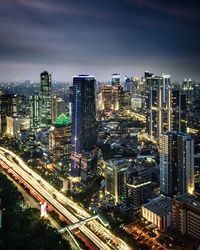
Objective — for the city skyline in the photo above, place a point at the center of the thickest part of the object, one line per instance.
(98, 38)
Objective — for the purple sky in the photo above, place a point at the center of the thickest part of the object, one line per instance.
(100, 37)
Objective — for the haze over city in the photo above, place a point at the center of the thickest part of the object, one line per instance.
(99, 37)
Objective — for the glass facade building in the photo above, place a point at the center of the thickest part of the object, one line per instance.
(83, 120)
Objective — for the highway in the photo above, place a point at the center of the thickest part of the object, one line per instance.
(58, 201)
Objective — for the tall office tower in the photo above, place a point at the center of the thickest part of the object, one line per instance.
(154, 106)
(115, 178)
(176, 164)
(83, 120)
(115, 80)
(8, 107)
(46, 91)
(34, 103)
(58, 107)
(176, 107)
(147, 74)
(60, 140)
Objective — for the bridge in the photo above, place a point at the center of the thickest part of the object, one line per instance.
(82, 222)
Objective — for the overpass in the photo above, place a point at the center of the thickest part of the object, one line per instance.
(82, 222)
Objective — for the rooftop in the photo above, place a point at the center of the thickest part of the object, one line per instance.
(63, 120)
(193, 200)
(161, 206)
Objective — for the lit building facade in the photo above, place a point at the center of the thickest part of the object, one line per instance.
(60, 140)
(176, 106)
(176, 164)
(58, 107)
(83, 120)
(115, 179)
(139, 186)
(115, 80)
(154, 107)
(186, 215)
(13, 126)
(159, 212)
(34, 103)
(111, 98)
(46, 92)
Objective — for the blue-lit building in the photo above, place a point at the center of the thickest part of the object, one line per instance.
(83, 120)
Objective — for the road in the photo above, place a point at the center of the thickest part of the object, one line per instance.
(134, 230)
(57, 200)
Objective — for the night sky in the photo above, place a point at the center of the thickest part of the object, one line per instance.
(100, 37)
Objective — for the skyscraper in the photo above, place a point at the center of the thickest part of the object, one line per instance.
(83, 120)
(46, 92)
(35, 110)
(60, 140)
(176, 107)
(154, 106)
(176, 164)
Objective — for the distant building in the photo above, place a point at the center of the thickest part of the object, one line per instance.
(46, 92)
(60, 140)
(83, 120)
(186, 215)
(13, 126)
(115, 79)
(159, 212)
(111, 98)
(176, 164)
(139, 185)
(136, 102)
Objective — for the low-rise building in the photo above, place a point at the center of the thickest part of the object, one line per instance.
(159, 212)
(186, 215)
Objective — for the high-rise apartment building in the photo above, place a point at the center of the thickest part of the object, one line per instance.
(83, 120)
(176, 108)
(176, 164)
(154, 106)
(166, 107)
(8, 107)
(34, 104)
(46, 92)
